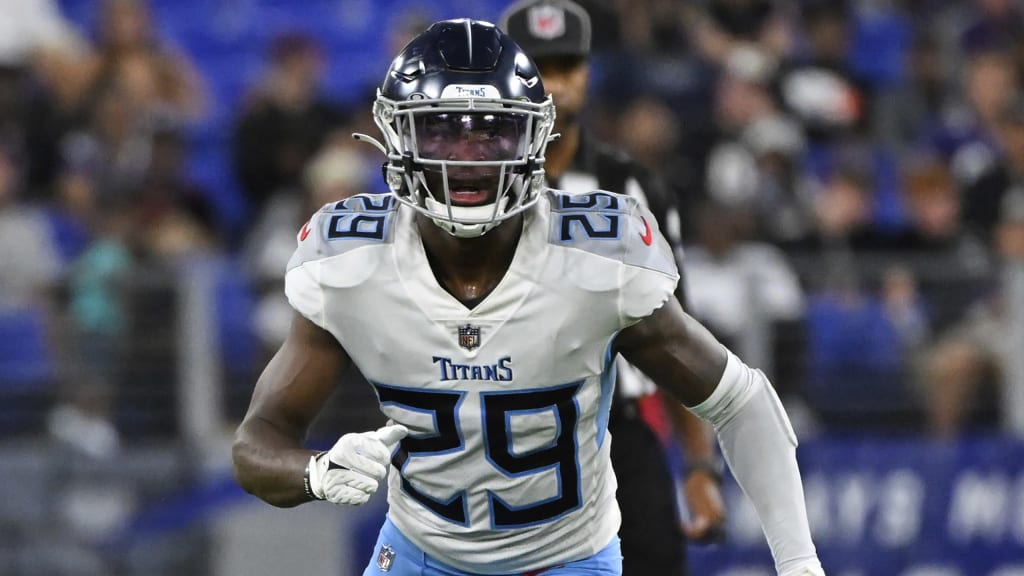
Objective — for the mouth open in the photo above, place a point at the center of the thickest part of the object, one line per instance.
(471, 192)
(465, 188)
(470, 197)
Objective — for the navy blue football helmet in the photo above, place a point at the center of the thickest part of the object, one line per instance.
(465, 120)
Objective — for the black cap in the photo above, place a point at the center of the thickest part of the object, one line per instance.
(548, 27)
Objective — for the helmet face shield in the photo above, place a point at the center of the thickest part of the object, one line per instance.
(469, 158)
(470, 136)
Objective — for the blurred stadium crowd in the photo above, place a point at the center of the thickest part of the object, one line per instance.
(851, 175)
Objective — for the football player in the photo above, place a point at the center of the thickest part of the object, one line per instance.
(486, 311)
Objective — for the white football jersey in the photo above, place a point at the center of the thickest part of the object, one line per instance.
(506, 467)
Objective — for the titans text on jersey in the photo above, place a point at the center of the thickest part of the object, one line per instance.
(506, 402)
(501, 371)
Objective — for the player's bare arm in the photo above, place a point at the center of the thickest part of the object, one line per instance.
(268, 457)
(676, 352)
(683, 358)
(672, 326)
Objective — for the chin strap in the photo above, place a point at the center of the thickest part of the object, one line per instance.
(437, 211)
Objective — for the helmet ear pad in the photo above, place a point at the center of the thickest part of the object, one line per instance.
(475, 78)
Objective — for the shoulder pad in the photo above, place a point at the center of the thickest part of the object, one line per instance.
(339, 227)
(612, 225)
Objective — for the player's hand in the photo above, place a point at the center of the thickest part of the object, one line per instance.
(351, 471)
(707, 510)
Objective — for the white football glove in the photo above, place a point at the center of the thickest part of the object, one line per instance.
(351, 471)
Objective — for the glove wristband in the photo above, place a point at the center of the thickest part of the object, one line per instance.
(307, 485)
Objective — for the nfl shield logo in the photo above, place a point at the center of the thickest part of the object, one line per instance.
(469, 337)
(385, 558)
(546, 21)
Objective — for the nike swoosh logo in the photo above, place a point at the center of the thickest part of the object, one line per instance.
(647, 236)
(305, 231)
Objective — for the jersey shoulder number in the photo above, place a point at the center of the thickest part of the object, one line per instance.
(612, 225)
(339, 227)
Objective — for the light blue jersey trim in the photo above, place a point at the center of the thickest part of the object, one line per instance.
(607, 393)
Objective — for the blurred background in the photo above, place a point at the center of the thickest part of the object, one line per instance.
(852, 181)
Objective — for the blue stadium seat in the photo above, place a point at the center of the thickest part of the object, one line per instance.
(210, 167)
(856, 360)
(26, 371)
(235, 307)
(880, 43)
(229, 75)
(25, 358)
(81, 12)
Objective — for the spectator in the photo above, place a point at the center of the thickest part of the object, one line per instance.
(983, 197)
(156, 79)
(175, 216)
(37, 48)
(780, 201)
(743, 99)
(36, 38)
(30, 268)
(73, 212)
(113, 145)
(997, 24)
(730, 23)
(918, 104)
(29, 257)
(968, 136)
(744, 92)
(335, 173)
(842, 209)
(284, 122)
(950, 261)
(966, 369)
(817, 88)
(126, 183)
(649, 133)
(30, 28)
(653, 27)
(98, 286)
(759, 170)
(655, 63)
(743, 290)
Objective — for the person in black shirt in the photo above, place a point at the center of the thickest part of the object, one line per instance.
(284, 122)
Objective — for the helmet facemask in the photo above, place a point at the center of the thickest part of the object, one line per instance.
(467, 163)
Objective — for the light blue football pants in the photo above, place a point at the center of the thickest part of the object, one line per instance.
(403, 558)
